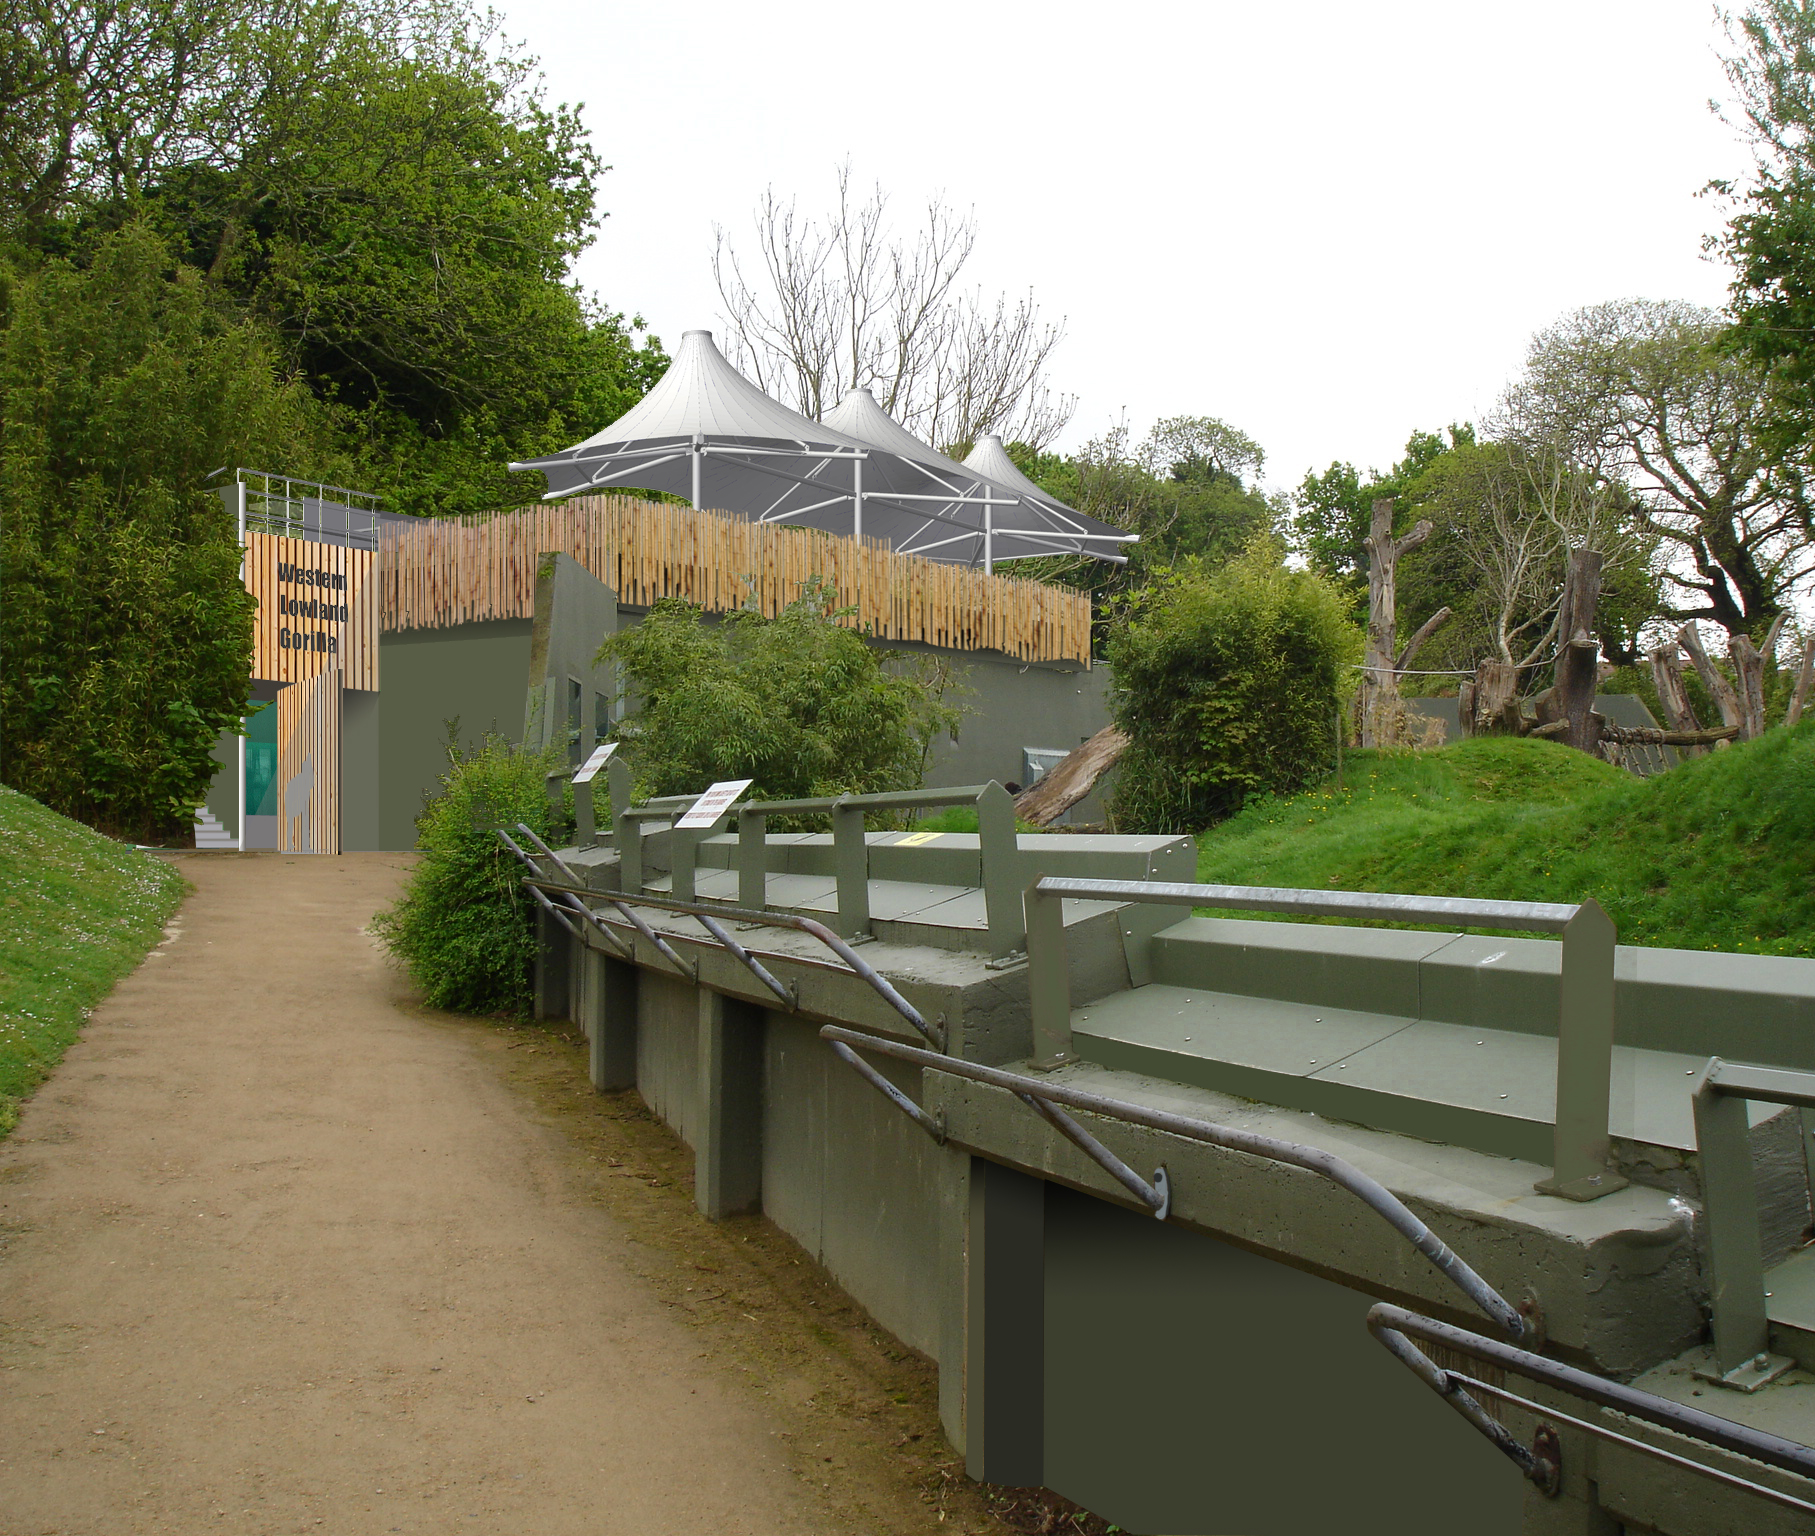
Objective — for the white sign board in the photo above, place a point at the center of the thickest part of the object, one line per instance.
(588, 770)
(714, 803)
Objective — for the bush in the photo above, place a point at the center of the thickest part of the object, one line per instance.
(1228, 684)
(464, 927)
(800, 703)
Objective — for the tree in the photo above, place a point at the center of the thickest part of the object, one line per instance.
(1505, 517)
(1770, 240)
(1644, 394)
(383, 183)
(847, 303)
(1181, 489)
(125, 633)
(800, 703)
(1228, 684)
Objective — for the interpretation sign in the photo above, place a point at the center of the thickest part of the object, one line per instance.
(714, 803)
(589, 769)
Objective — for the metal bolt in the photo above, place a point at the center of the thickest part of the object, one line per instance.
(1760, 1361)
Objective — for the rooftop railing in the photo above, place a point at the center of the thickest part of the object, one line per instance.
(1581, 1169)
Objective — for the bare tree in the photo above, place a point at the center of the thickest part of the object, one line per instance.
(845, 302)
(1640, 393)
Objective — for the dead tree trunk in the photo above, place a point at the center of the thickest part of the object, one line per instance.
(1071, 778)
(1805, 677)
(1679, 713)
(1379, 702)
(1749, 667)
(1719, 689)
(1489, 701)
(1566, 710)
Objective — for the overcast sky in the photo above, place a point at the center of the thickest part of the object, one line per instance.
(1326, 223)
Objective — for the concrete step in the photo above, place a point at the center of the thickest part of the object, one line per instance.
(1490, 1089)
(210, 833)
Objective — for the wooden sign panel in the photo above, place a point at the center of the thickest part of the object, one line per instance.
(317, 610)
(308, 766)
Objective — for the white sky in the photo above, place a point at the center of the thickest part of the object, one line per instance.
(1326, 223)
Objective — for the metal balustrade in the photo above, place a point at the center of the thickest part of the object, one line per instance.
(998, 850)
(1736, 1281)
(1047, 1096)
(1581, 1170)
(1542, 1461)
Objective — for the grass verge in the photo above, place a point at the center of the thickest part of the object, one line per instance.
(1716, 854)
(77, 911)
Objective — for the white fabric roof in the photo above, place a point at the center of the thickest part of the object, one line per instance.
(707, 433)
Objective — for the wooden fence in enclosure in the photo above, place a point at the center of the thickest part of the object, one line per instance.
(445, 571)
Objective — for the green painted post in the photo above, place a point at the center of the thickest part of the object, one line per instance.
(1730, 1207)
(612, 1000)
(752, 852)
(1000, 855)
(1584, 1059)
(683, 852)
(617, 789)
(1048, 978)
(851, 865)
(728, 1137)
(585, 827)
(630, 853)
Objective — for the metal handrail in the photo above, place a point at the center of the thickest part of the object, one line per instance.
(1375, 1195)
(709, 916)
(1395, 1328)
(997, 853)
(1741, 1326)
(1581, 1170)
(997, 850)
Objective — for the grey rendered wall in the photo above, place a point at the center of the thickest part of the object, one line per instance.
(575, 611)
(668, 1050)
(858, 1185)
(224, 788)
(359, 771)
(1015, 704)
(1250, 1396)
(478, 672)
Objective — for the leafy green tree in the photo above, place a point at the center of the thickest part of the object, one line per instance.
(380, 181)
(1188, 489)
(1770, 240)
(1645, 395)
(125, 632)
(1228, 683)
(800, 703)
(1332, 512)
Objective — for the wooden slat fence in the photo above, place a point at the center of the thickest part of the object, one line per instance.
(446, 571)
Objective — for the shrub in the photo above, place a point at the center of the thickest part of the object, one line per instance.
(800, 703)
(464, 927)
(1228, 684)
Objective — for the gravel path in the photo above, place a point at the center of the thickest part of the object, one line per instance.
(277, 1257)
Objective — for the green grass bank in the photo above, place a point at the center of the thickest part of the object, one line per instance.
(1719, 853)
(77, 912)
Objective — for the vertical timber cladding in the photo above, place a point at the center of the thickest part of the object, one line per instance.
(308, 766)
(317, 610)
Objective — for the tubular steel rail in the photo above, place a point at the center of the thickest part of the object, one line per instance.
(998, 850)
(1585, 1012)
(711, 917)
(1050, 1098)
(1396, 1328)
(1741, 1329)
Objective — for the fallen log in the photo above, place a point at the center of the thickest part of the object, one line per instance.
(1071, 778)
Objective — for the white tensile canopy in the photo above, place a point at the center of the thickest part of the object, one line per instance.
(707, 433)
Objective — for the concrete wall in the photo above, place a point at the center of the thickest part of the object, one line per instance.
(1194, 1386)
(477, 672)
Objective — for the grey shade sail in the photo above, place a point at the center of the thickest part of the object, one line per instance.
(707, 433)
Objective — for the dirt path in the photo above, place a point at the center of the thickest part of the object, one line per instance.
(281, 1255)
